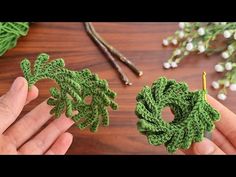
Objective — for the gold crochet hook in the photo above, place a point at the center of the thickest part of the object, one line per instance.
(207, 134)
(204, 84)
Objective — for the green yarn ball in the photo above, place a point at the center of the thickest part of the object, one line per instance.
(193, 116)
(74, 88)
(10, 32)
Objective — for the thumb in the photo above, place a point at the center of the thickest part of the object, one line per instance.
(206, 147)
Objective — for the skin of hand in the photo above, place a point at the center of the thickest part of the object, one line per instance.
(25, 135)
(22, 136)
(223, 139)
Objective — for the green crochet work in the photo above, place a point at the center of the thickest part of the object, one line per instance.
(74, 87)
(193, 116)
(10, 32)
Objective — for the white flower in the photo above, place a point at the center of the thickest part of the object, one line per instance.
(177, 52)
(223, 23)
(166, 65)
(186, 53)
(230, 48)
(174, 41)
(228, 66)
(227, 34)
(200, 43)
(201, 31)
(181, 25)
(221, 96)
(215, 85)
(165, 42)
(181, 34)
(174, 64)
(225, 55)
(189, 46)
(232, 87)
(235, 35)
(219, 68)
(189, 39)
(201, 48)
(226, 83)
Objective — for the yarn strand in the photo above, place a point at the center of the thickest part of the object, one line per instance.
(10, 32)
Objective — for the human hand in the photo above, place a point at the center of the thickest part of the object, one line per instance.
(25, 135)
(223, 139)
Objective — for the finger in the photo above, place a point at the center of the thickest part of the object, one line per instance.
(61, 145)
(41, 142)
(205, 147)
(227, 123)
(12, 103)
(32, 94)
(28, 125)
(222, 142)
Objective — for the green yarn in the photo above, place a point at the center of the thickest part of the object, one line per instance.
(10, 32)
(74, 88)
(193, 116)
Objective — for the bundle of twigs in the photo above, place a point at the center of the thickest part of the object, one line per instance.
(112, 54)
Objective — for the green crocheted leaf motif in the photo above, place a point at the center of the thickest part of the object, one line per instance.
(193, 116)
(10, 32)
(74, 88)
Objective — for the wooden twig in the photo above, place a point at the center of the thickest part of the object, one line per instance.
(122, 75)
(116, 52)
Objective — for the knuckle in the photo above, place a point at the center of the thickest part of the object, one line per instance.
(5, 107)
(7, 147)
(32, 147)
(231, 135)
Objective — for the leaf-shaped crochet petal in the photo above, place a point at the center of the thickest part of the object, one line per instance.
(74, 87)
(193, 116)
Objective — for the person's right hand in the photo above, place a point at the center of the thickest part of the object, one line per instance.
(223, 136)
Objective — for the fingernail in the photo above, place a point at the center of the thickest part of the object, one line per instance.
(18, 84)
(204, 147)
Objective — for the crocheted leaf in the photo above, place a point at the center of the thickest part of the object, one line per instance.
(193, 116)
(74, 88)
(10, 32)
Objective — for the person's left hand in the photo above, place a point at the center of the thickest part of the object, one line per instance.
(25, 135)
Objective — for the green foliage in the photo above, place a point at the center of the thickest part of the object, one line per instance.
(10, 32)
(193, 116)
(74, 88)
(207, 38)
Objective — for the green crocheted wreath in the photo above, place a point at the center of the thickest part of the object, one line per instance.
(193, 116)
(74, 87)
(10, 32)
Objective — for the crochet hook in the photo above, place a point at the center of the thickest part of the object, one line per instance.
(207, 134)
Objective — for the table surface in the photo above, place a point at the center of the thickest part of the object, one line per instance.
(141, 43)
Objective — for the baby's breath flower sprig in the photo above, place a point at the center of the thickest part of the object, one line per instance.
(200, 38)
